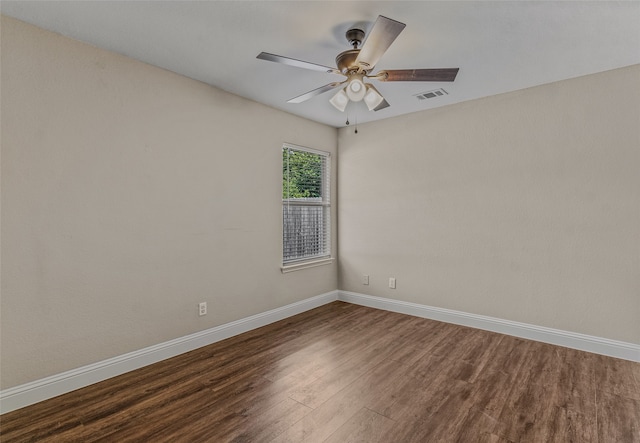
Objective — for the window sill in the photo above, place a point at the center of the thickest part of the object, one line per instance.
(306, 264)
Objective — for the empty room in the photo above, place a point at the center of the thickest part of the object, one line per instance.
(315, 221)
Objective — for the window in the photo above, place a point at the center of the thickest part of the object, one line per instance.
(306, 211)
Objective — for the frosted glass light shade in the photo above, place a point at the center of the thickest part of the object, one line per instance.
(372, 98)
(340, 100)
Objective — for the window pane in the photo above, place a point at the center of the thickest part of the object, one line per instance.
(304, 231)
(305, 204)
(302, 174)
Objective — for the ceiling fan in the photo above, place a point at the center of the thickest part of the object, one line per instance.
(357, 64)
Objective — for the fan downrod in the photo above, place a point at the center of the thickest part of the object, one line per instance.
(355, 37)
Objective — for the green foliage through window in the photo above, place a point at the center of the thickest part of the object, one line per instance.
(302, 174)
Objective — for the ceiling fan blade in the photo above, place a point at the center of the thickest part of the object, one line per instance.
(383, 33)
(297, 63)
(384, 104)
(322, 89)
(418, 75)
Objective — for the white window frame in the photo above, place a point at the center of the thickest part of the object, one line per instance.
(324, 257)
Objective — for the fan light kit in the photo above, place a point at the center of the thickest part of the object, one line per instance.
(357, 64)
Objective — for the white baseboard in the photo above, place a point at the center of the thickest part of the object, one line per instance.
(597, 345)
(49, 387)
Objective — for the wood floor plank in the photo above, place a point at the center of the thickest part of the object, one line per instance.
(251, 425)
(553, 397)
(434, 413)
(344, 372)
(365, 426)
(487, 437)
(317, 391)
(618, 418)
(473, 427)
(576, 388)
(618, 377)
(567, 425)
(327, 418)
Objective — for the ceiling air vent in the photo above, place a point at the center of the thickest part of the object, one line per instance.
(431, 94)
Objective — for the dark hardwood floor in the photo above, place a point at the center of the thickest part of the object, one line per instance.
(345, 373)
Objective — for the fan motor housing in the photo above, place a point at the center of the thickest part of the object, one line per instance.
(346, 61)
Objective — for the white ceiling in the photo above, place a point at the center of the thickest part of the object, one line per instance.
(499, 46)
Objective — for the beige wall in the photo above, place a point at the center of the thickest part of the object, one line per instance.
(523, 206)
(130, 194)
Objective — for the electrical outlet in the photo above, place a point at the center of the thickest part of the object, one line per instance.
(202, 308)
(392, 282)
(365, 279)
